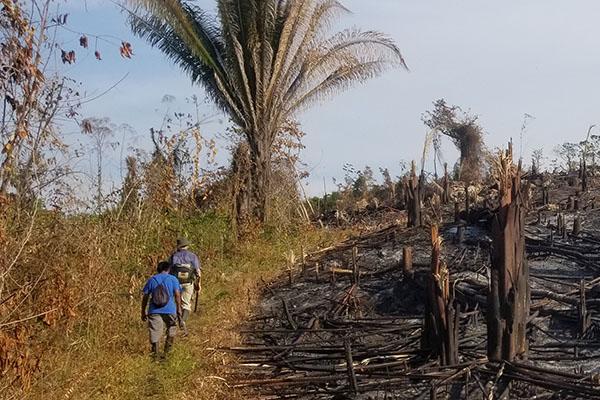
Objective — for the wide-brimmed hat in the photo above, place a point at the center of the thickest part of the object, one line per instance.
(182, 242)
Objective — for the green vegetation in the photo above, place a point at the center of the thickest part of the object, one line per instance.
(96, 347)
(75, 256)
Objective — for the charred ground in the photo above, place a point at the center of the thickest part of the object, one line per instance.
(347, 321)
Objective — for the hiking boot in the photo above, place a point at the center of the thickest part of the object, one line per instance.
(168, 345)
(182, 322)
(184, 329)
(154, 351)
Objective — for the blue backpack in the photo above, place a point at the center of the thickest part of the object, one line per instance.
(160, 294)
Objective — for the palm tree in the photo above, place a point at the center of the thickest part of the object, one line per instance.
(263, 61)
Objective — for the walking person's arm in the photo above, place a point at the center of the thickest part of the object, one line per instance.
(198, 282)
(144, 305)
(198, 267)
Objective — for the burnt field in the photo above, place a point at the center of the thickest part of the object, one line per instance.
(420, 312)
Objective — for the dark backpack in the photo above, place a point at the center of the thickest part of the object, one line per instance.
(160, 294)
(184, 273)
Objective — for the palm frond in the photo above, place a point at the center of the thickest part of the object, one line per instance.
(340, 79)
(352, 43)
(318, 21)
(161, 35)
(291, 24)
(191, 25)
(348, 56)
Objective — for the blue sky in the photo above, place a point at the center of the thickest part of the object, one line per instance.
(498, 59)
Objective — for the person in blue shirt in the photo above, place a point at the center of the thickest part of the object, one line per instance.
(185, 265)
(166, 316)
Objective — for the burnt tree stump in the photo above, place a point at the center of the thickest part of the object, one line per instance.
(441, 322)
(571, 203)
(456, 212)
(460, 233)
(509, 295)
(407, 261)
(584, 317)
(413, 198)
(446, 186)
(577, 226)
(584, 175)
(545, 195)
(560, 225)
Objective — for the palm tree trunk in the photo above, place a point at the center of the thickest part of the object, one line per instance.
(261, 180)
(241, 175)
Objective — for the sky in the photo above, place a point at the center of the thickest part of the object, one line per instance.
(500, 60)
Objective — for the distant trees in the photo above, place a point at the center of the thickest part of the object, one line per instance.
(576, 155)
(465, 132)
(569, 154)
(263, 62)
(101, 130)
(537, 157)
(361, 189)
(363, 182)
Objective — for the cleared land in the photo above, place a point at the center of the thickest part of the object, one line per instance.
(347, 322)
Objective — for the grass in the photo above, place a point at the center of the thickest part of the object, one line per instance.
(105, 355)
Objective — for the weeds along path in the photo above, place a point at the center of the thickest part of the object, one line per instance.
(106, 353)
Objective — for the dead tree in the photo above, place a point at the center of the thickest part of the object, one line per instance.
(446, 186)
(440, 331)
(584, 175)
(546, 183)
(413, 198)
(509, 296)
(545, 195)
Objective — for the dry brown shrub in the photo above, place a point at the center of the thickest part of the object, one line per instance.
(18, 363)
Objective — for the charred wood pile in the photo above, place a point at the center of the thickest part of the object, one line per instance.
(499, 302)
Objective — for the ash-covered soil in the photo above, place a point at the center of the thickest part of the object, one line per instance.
(317, 333)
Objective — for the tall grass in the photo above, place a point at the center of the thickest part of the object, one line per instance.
(96, 347)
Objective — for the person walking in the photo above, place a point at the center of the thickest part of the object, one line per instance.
(163, 292)
(185, 265)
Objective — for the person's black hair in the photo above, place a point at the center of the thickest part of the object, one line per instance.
(163, 266)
